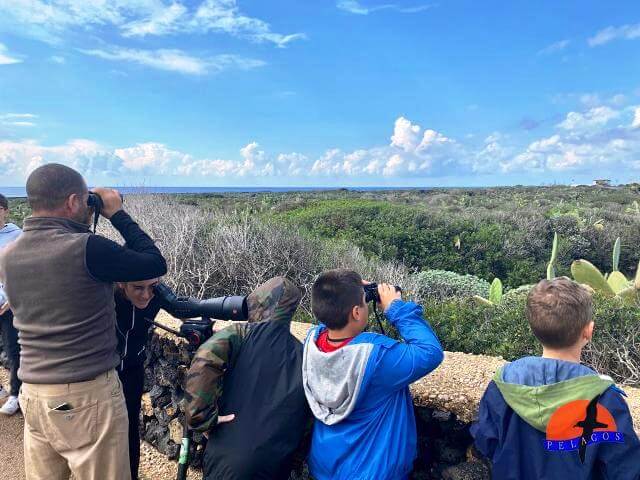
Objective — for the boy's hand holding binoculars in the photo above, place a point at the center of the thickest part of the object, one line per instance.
(388, 294)
(111, 201)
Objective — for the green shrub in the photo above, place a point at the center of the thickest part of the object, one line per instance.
(464, 326)
(442, 285)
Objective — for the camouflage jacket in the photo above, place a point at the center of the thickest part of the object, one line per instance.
(274, 301)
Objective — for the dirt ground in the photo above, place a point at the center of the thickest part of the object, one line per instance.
(153, 465)
(464, 374)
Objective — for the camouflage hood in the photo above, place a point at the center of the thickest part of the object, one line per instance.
(275, 300)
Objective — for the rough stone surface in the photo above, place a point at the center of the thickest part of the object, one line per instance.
(446, 402)
(175, 430)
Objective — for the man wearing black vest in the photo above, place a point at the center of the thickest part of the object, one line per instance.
(59, 282)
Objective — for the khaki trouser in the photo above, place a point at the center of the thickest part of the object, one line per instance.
(89, 441)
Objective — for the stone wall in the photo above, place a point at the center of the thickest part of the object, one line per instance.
(446, 402)
(443, 436)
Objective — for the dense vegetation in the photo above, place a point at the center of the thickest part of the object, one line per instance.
(443, 246)
(501, 232)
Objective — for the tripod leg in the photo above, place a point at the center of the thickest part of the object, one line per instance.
(185, 452)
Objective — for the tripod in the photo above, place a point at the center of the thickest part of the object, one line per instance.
(196, 332)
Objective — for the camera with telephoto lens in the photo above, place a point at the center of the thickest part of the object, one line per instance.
(197, 331)
(371, 292)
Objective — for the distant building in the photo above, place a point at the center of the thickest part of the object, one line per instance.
(602, 183)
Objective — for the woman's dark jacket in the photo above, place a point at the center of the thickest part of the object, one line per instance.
(132, 329)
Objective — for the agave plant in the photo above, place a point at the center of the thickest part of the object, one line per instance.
(495, 294)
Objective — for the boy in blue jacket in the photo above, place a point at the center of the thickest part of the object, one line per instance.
(550, 417)
(357, 383)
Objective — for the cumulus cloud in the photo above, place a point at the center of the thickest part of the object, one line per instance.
(594, 117)
(20, 158)
(582, 143)
(149, 157)
(356, 7)
(175, 60)
(5, 58)
(627, 32)
(51, 20)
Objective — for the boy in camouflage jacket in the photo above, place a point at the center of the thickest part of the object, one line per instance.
(244, 388)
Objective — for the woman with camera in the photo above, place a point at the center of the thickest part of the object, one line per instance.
(136, 305)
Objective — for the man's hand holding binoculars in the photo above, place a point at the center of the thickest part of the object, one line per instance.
(111, 201)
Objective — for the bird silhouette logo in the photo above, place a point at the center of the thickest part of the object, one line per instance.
(588, 425)
(578, 424)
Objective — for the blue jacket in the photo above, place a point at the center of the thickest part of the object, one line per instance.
(8, 234)
(539, 415)
(365, 426)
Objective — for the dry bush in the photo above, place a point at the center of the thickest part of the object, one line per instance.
(210, 254)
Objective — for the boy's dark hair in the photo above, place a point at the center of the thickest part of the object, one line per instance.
(50, 185)
(334, 294)
(558, 310)
(4, 203)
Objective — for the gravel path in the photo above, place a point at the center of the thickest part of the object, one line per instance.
(153, 465)
(11, 453)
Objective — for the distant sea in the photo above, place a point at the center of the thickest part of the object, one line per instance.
(13, 192)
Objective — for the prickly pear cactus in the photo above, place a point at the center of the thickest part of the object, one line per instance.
(585, 272)
(495, 294)
(616, 255)
(551, 267)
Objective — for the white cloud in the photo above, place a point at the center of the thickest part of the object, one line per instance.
(150, 157)
(405, 135)
(51, 20)
(636, 118)
(19, 158)
(555, 47)
(7, 116)
(5, 58)
(175, 60)
(58, 59)
(18, 119)
(357, 8)
(162, 21)
(595, 117)
(589, 144)
(628, 32)
(254, 163)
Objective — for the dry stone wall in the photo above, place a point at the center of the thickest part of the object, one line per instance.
(446, 402)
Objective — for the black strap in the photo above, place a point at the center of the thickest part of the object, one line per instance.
(338, 339)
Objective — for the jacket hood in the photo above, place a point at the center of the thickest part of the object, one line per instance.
(275, 300)
(332, 380)
(535, 387)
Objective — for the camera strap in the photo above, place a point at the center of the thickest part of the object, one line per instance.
(376, 313)
(96, 216)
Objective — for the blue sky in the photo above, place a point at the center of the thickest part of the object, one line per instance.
(322, 92)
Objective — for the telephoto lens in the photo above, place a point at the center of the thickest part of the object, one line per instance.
(221, 308)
